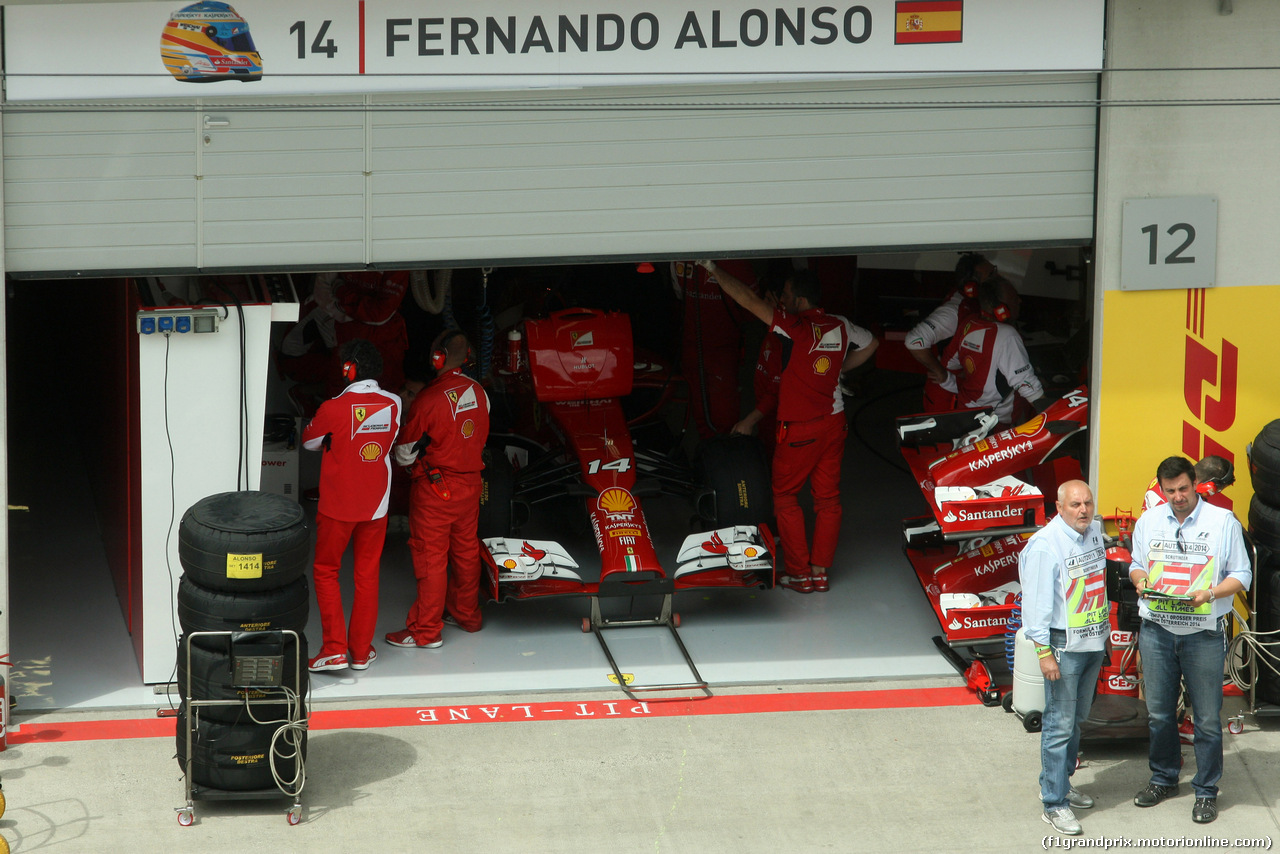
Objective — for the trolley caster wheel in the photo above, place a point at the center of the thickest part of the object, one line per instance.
(990, 697)
(1006, 702)
(4, 845)
(586, 625)
(1235, 726)
(675, 620)
(2, 803)
(294, 816)
(186, 818)
(1031, 723)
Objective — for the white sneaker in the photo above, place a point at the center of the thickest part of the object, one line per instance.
(1063, 821)
(1078, 799)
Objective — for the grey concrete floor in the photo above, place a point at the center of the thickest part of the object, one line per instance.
(930, 779)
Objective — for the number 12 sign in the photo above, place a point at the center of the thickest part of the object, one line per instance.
(1169, 243)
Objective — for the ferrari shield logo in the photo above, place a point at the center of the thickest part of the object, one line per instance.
(371, 418)
(462, 399)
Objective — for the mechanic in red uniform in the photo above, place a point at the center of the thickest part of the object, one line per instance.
(441, 443)
(764, 382)
(1213, 474)
(711, 346)
(811, 420)
(923, 339)
(366, 304)
(988, 358)
(356, 429)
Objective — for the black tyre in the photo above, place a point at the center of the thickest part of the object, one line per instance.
(1031, 723)
(1264, 525)
(244, 541)
(237, 757)
(204, 610)
(734, 476)
(1268, 588)
(497, 490)
(1264, 464)
(210, 678)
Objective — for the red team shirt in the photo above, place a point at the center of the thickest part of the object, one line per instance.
(811, 379)
(355, 478)
(453, 411)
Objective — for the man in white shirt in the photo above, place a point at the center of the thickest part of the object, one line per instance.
(1063, 573)
(1189, 562)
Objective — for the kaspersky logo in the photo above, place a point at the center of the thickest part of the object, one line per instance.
(582, 339)
(1000, 455)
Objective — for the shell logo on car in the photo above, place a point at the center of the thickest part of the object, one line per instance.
(617, 502)
(209, 41)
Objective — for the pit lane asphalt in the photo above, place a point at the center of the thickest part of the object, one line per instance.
(380, 777)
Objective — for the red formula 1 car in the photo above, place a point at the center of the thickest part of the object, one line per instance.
(576, 366)
(988, 493)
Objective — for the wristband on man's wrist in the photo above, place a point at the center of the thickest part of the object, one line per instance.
(1044, 654)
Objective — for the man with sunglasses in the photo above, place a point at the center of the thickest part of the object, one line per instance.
(1189, 562)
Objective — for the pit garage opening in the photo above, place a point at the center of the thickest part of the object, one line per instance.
(74, 451)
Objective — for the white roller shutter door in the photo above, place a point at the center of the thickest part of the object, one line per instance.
(550, 176)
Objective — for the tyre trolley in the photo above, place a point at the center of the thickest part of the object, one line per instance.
(241, 713)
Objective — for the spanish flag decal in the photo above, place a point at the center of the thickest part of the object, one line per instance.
(928, 21)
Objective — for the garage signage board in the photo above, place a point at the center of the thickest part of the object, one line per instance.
(1169, 243)
(249, 48)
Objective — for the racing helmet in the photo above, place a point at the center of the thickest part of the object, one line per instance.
(209, 41)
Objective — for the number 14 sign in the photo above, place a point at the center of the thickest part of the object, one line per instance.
(1169, 243)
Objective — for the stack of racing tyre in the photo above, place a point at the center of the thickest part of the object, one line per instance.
(1264, 528)
(244, 559)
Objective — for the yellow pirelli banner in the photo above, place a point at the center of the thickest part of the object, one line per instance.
(1190, 372)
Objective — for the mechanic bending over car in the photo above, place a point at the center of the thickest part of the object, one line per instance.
(940, 326)
(1189, 562)
(988, 361)
(356, 429)
(1063, 573)
(812, 426)
(441, 443)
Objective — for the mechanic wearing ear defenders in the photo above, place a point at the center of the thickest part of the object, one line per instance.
(1213, 474)
(811, 422)
(356, 429)
(441, 444)
(988, 358)
(939, 388)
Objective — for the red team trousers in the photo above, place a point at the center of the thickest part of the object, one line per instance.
(809, 450)
(332, 536)
(446, 555)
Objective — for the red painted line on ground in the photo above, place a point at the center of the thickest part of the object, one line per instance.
(564, 710)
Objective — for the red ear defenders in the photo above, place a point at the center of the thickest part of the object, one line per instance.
(440, 354)
(1000, 312)
(350, 370)
(1214, 485)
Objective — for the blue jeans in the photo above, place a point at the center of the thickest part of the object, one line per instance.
(1168, 660)
(1066, 705)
